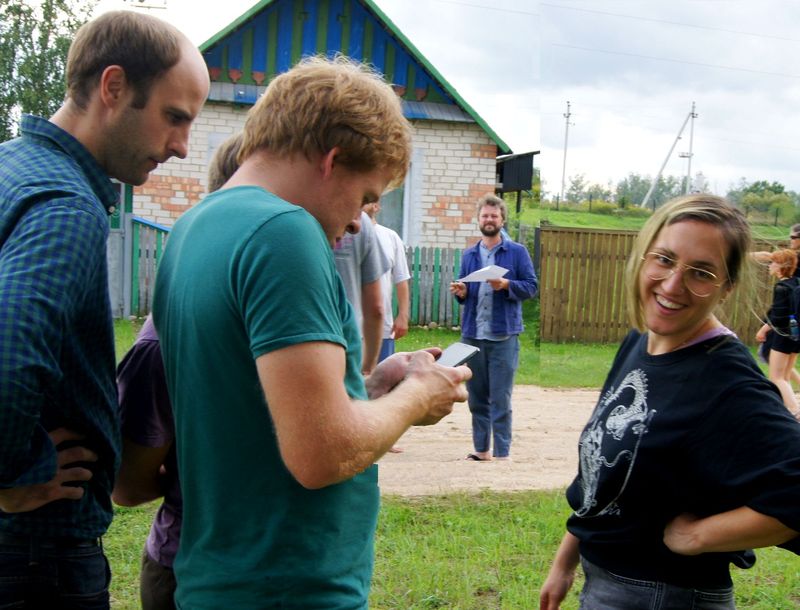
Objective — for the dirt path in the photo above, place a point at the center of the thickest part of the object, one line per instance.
(547, 424)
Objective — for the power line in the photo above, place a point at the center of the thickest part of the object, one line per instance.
(659, 131)
(678, 61)
(489, 8)
(666, 21)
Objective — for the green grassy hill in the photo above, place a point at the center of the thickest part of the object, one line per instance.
(607, 217)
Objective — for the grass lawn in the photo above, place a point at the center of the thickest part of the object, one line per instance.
(471, 552)
(489, 550)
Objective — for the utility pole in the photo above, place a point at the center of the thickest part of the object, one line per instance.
(566, 138)
(691, 115)
(690, 154)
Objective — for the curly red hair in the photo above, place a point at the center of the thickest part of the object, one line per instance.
(787, 259)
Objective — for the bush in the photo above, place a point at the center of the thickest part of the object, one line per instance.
(597, 207)
(634, 212)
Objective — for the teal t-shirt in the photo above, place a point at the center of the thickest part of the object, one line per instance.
(245, 273)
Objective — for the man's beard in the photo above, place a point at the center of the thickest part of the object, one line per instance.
(490, 232)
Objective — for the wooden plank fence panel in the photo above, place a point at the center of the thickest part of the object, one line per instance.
(413, 257)
(436, 285)
(603, 290)
(432, 270)
(547, 308)
(147, 246)
(582, 288)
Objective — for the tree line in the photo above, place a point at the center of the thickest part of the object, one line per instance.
(761, 200)
(34, 40)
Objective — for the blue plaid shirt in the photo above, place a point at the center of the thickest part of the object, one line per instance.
(56, 334)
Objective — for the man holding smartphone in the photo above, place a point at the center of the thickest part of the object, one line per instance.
(492, 321)
(277, 432)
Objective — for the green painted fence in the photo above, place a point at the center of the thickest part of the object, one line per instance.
(432, 270)
(147, 243)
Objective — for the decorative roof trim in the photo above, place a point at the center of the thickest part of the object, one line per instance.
(370, 4)
(436, 74)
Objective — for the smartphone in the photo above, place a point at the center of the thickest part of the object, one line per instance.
(456, 354)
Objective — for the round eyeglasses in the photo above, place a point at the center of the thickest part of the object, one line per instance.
(700, 282)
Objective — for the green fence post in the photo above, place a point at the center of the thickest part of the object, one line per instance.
(415, 273)
(457, 272)
(135, 270)
(435, 288)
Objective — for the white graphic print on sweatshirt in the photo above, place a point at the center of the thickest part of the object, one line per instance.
(610, 443)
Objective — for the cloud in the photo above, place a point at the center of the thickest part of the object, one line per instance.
(631, 71)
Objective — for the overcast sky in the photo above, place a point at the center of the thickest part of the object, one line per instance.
(632, 68)
(487, 49)
(629, 68)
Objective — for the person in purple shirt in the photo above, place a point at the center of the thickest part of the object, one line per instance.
(149, 468)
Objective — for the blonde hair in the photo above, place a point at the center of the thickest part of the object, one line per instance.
(223, 164)
(324, 103)
(710, 209)
(787, 259)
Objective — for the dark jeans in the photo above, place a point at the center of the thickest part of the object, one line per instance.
(489, 390)
(387, 349)
(156, 585)
(606, 591)
(53, 574)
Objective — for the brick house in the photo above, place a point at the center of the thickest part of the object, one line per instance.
(454, 149)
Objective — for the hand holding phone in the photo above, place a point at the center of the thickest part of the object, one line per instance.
(457, 354)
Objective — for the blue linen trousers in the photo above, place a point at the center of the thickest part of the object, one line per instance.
(493, 370)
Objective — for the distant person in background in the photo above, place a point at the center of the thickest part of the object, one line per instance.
(149, 468)
(492, 321)
(394, 327)
(783, 347)
(223, 163)
(765, 257)
(794, 244)
(396, 278)
(361, 263)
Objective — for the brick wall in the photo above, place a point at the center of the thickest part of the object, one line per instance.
(457, 167)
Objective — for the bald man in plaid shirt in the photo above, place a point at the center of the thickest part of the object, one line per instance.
(134, 86)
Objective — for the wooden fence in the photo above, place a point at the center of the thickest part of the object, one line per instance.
(147, 243)
(582, 287)
(581, 283)
(432, 270)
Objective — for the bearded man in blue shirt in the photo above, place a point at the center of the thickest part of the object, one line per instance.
(492, 321)
(134, 86)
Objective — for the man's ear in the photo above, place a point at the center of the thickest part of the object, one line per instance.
(328, 162)
(113, 86)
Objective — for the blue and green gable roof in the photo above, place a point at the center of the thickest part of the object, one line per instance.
(275, 34)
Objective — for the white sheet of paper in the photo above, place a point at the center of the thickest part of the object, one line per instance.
(492, 272)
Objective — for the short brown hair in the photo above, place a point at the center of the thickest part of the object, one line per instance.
(223, 164)
(495, 202)
(143, 46)
(787, 259)
(323, 103)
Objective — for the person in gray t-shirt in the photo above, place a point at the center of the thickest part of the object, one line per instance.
(361, 263)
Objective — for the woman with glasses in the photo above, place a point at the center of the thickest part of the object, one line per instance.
(783, 347)
(689, 458)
